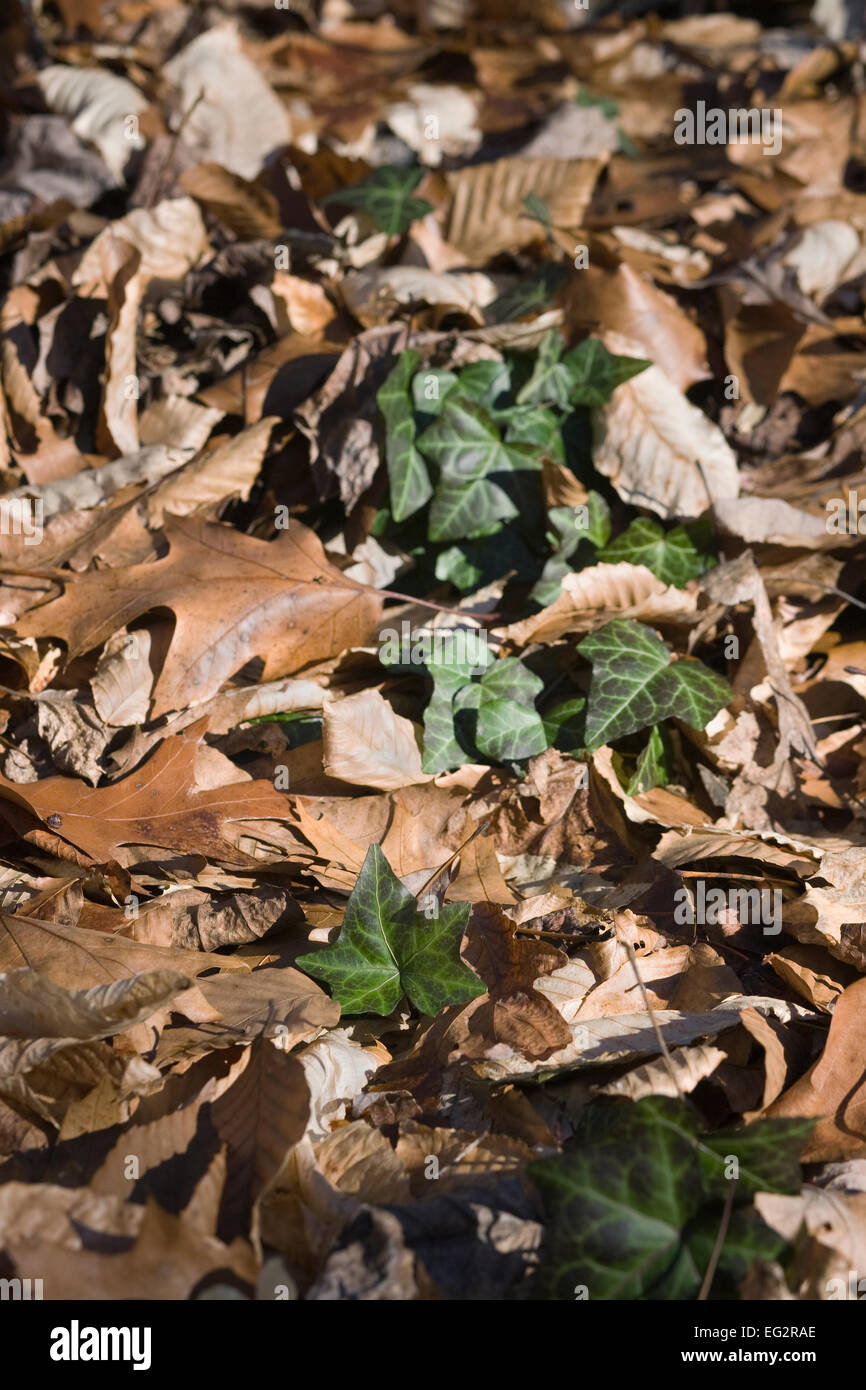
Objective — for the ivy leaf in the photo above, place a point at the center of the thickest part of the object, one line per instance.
(589, 522)
(565, 725)
(508, 732)
(533, 424)
(767, 1156)
(651, 770)
(485, 382)
(472, 563)
(465, 444)
(509, 679)
(530, 296)
(551, 380)
(409, 481)
(494, 717)
(634, 1209)
(595, 373)
(617, 1204)
(635, 684)
(386, 196)
(459, 566)
(674, 558)
(747, 1238)
(442, 751)
(430, 389)
(386, 949)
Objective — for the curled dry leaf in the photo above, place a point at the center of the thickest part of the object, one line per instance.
(374, 295)
(32, 1006)
(229, 470)
(593, 596)
(230, 113)
(689, 1066)
(97, 102)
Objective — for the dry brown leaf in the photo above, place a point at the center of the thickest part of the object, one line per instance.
(246, 208)
(594, 596)
(229, 470)
(234, 598)
(690, 1066)
(156, 805)
(659, 450)
(33, 1006)
(487, 213)
(832, 1088)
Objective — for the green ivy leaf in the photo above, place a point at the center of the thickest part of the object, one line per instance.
(674, 558)
(767, 1153)
(571, 525)
(747, 1238)
(551, 380)
(493, 718)
(408, 479)
(457, 566)
(508, 732)
(469, 452)
(386, 949)
(386, 196)
(532, 424)
(441, 749)
(616, 1206)
(633, 1209)
(485, 383)
(652, 765)
(595, 373)
(565, 725)
(430, 389)
(509, 679)
(635, 684)
(530, 296)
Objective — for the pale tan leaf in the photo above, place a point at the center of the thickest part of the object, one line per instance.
(170, 239)
(93, 486)
(650, 440)
(123, 679)
(367, 744)
(690, 1065)
(231, 114)
(178, 421)
(454, 111)
(374, 295)
(487, 213)
(96, 102)
(32, 1006)
(594, 596)
(227, 471)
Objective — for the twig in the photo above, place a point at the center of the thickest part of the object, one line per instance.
(649, 1008)
(720, 1240)
(479, 829)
